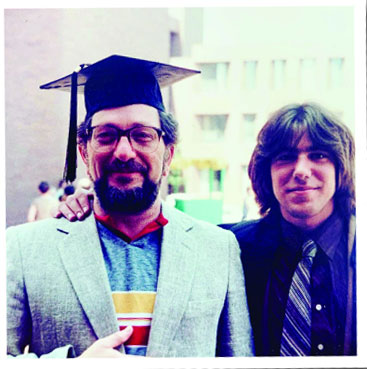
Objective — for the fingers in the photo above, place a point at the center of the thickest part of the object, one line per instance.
(83, 197)
(105, 347)
(76, 206)
(117, 338)
(64, 210)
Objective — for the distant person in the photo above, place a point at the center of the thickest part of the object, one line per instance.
(84, 183)
(68, 190)
(60, 189)
(42, 206)
(250, 208)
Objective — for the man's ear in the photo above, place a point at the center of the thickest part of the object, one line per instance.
(168, 156)
(83, 153)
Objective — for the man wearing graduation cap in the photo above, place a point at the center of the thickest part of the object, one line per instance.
(176, 283)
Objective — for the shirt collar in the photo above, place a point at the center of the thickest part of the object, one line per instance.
(156, 224)
(327, 235)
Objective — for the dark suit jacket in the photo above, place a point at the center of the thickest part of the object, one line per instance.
(259, 239)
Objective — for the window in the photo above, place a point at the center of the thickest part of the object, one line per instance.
(336, 70)
(175, 44)
(278, 74)
(214, 75)
(212, 127)
(250, 68)
(307, 73)
(211, 180)
(248, 132)
(216, 181)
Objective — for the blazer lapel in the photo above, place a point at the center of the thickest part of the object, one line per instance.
(83, 260)
(177, 266)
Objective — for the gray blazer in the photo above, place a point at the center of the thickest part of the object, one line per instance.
(59, 299)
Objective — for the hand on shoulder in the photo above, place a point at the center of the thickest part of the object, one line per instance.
(75, 207)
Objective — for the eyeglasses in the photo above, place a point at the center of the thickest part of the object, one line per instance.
(105, 138)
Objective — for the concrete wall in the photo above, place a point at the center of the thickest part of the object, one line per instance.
(42, 45)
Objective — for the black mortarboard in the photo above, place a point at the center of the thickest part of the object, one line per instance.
(113, 82)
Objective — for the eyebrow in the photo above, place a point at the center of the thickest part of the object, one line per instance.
(110, 124)
(308, 148)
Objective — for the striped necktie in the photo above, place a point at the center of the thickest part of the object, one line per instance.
(296, 336)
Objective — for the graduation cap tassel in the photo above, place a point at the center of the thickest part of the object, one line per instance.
(71, 155)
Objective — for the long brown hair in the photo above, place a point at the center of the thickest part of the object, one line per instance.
(284, 129)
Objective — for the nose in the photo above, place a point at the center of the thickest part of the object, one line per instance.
(123, 150)
(302, 168)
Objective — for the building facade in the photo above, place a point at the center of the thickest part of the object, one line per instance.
(243, 81)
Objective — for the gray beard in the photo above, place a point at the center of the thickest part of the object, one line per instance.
(132, 201)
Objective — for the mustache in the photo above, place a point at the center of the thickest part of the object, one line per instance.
(126, 167)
